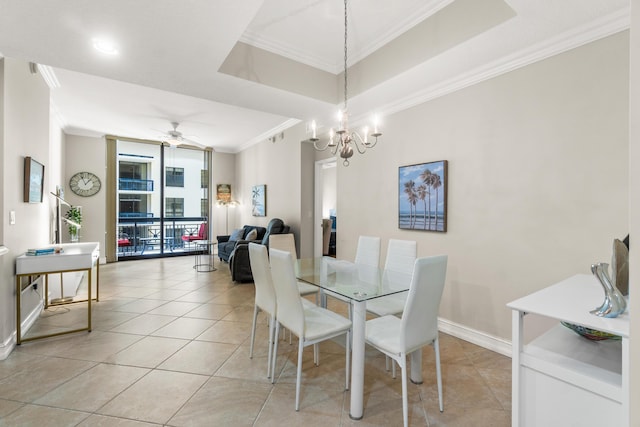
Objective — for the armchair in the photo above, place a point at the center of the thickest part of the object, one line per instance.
(202, 234)
(239, 263)
(124, 243)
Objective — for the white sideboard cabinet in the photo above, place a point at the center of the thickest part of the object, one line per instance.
(561, 378)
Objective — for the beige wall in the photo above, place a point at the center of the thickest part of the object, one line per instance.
(278, 165)
(24, 132)
(87, 154)
(538, 179)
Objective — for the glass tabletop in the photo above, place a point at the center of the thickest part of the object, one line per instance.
(354, 281)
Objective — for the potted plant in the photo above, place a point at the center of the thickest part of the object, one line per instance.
(74, 214)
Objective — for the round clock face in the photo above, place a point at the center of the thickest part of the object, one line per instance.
(84, 184)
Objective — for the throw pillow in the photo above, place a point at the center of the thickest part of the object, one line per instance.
(252, 235)
(235, 235)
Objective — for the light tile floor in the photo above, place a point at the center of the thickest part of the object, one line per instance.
(170, 346)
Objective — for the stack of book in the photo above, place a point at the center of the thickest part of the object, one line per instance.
(41, 251)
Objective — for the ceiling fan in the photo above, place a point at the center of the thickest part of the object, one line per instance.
(175, 138)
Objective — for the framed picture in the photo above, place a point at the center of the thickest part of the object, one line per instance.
(422, 196)
(33, 181)
(259, 200)
(223, 193)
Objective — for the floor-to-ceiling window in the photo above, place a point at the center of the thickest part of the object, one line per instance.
(162, 197)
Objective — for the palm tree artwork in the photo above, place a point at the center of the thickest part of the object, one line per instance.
(258, 200)
(422, 196)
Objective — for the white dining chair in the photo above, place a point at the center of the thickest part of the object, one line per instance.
(287, 243)
(265, 299)
(418, 326)
(367, 253)
(401, 256)
(311, 325)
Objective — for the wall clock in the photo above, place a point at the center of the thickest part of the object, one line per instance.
(85, 184)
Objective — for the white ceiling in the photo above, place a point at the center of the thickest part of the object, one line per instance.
(171, 53)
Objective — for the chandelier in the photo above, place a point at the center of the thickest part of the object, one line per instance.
(343, 140)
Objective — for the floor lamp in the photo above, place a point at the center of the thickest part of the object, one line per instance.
(227, 204)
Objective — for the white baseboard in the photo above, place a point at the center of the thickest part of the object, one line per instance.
(10, 343)
(499, 345)
(7, 346)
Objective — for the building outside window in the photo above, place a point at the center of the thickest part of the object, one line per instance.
(174, 177)
(174, 207)
(133, 206)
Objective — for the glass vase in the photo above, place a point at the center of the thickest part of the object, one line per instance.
(614, 303)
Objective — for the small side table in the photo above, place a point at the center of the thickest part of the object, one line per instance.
(204, 255)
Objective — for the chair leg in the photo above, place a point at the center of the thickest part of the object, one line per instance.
(316, 355)
(253, 330)
(272, 326)
(386, 363)
(275, 355)
(436, 348)
(299, 375)
(405, 397)
(347, 346)
(393, 369)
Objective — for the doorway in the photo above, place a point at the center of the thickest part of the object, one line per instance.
(325, 207)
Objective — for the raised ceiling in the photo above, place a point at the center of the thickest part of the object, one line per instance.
(235, 73)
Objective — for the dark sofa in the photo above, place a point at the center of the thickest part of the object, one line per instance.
(236, 253)
(226, 246)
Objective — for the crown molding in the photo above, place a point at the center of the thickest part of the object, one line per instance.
(49, 76)
(424, 12)
(265, 135)
(288, 51)
(299, 55)
(595, 30)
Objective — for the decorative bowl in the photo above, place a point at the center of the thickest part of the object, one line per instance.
(590, 334)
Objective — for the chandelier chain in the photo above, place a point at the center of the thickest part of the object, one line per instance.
(345, 142)
(345, 55)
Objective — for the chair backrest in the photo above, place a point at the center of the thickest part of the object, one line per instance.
(265, 292)
(289, 305)
(420, 315)
(202, 231)
(368, 251)
(284, 242)
(401, 255)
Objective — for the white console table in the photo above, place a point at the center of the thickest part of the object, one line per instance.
(74, 257)
(561, 378)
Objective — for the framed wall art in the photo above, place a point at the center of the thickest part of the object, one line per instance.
(33, 181)
(223, 193)
(422, 196)
(259, 200)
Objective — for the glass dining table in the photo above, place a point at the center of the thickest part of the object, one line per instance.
(358, 284)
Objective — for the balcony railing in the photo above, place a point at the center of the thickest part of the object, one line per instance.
(129, 184)
(136, 214)
(147, 236)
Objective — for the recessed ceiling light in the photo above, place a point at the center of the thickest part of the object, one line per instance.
(105, 46)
